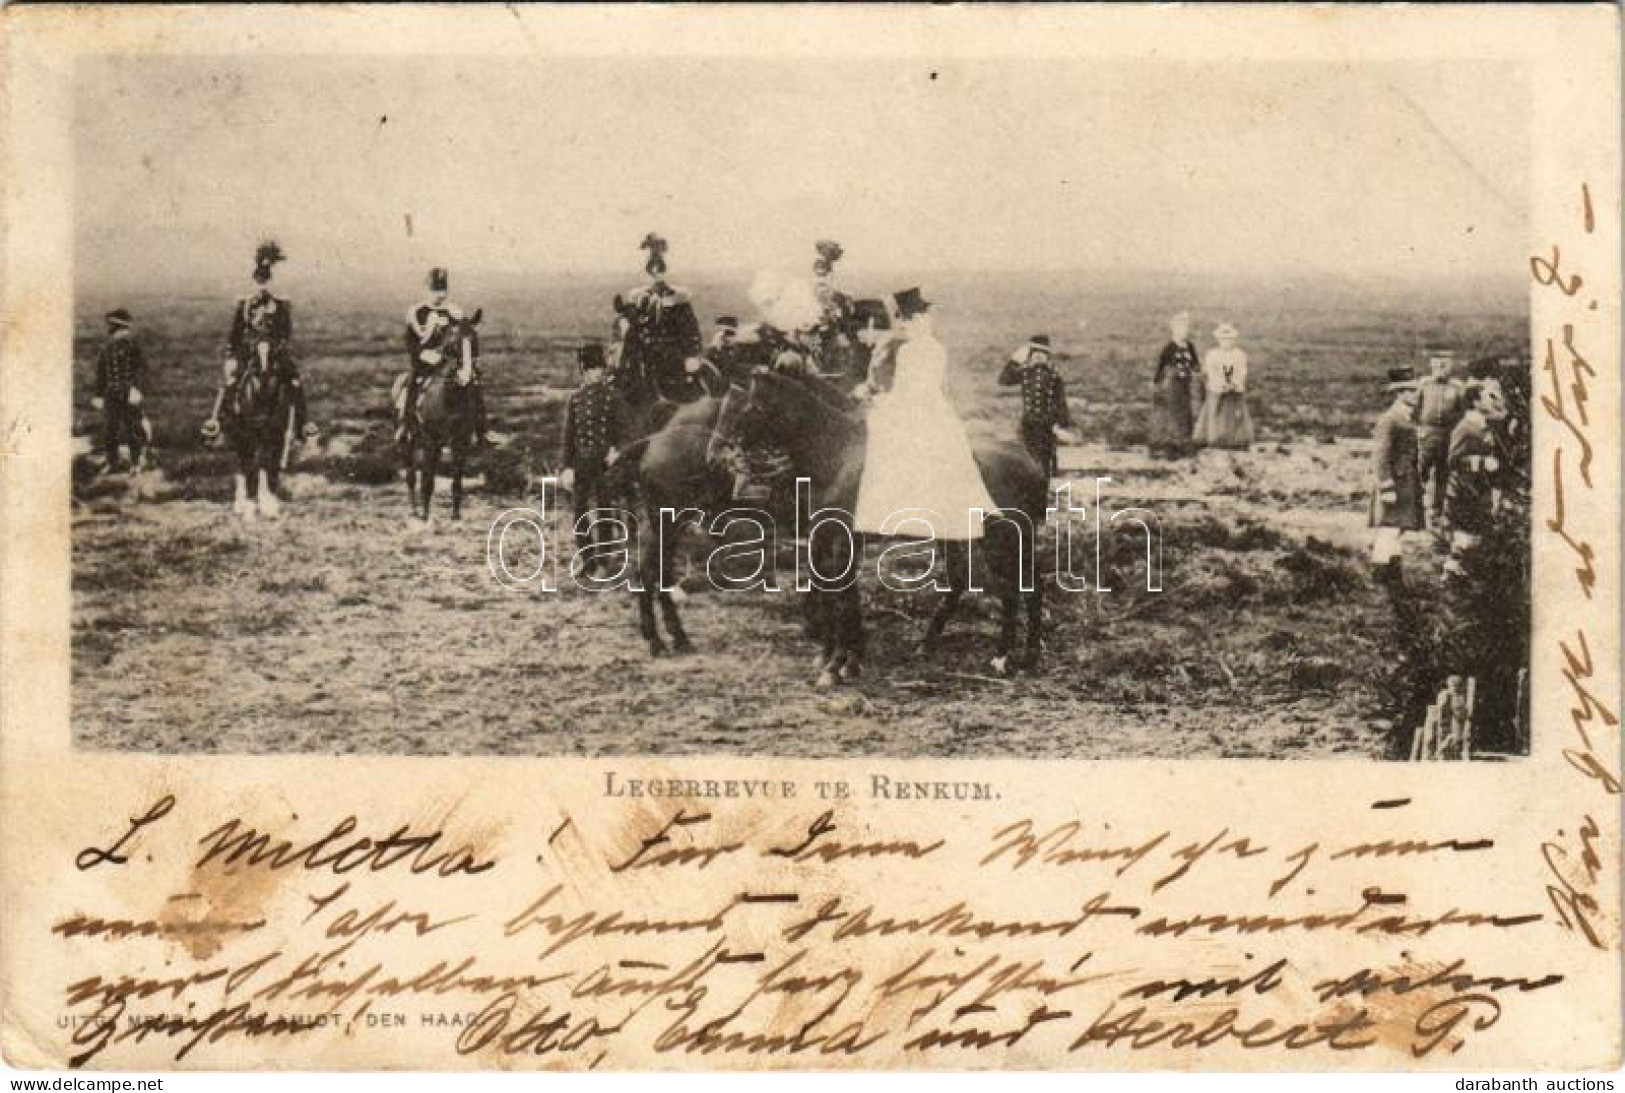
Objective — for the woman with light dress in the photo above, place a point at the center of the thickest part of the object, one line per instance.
(918, 466)
(1225, 421)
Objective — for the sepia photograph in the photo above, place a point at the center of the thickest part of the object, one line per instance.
(409, 420)
(870, 538)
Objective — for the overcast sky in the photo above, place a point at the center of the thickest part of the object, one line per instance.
(370, 168)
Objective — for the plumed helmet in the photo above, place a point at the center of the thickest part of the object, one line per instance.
(656, 246)
(266, 256)
(439, 279)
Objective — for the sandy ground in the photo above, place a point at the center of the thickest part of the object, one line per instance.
(346, 628)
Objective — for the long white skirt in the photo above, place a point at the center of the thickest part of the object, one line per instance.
(919, 469)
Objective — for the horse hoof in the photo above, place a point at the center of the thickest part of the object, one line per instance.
(682, 647)
(826, 680)
(930, 648)
(270, 507)
(656, 649)
(1001, 666)
(851, 671)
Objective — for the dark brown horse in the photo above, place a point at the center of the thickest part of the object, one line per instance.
(258, 422)
(443, 418)
(825, 438)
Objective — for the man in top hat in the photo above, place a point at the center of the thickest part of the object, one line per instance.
(664, 332)
(261, 317)
(121, 369)
(596, 425)
(430, 325)
(1043, 399)
(1438, 410)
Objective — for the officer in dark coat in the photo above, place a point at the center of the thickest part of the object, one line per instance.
(264, 317)
(1043, 398)
(596, 427)
(1395, 509)
(121, 369)
(663, 332)
(430, 326)
(1396, 486)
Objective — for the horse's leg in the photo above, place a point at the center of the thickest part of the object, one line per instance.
(1035, 627)
(410, 450)
(852, 632)
(832, 609)
(954, 551)
(1003, 563)
(648, 587)
(427, 473)
(270, 472)
(668, 606)
(459, 452)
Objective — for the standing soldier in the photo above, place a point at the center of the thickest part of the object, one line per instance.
(595, 429)
(262, 316)
(429, 326)
(1043, 399)
(1396, 508)
(121, 369)
(1439, 410)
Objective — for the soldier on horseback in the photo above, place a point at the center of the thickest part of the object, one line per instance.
(430, 327)
(261, 318)
(662, 333)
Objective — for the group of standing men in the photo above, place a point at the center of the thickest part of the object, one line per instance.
(1443, 461)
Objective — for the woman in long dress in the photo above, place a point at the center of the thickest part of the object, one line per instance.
(1225, 420)
(918, 465)
(1178, 371)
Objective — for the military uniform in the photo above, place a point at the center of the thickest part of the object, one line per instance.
(431, 328)
(663, 334)
(1394, 470)
(120, 368)
(263, 317)
(1437, 415)
(1475, 464)
(727, 358)
(596, 422)
(1043, 401)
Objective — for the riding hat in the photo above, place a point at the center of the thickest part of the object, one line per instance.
(910, 303)
(1040, 342)
(1401, 379)
(728, 322)
(439, 279)
(120, 317)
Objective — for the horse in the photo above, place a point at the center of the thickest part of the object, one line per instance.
(259, 422)
(825, 438)
(442, 417)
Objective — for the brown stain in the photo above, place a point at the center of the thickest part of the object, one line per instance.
(213, 894)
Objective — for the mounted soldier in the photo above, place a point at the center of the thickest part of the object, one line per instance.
(262, 319)
(431, 325)
(661, 332)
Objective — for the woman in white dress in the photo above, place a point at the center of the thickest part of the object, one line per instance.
(918, 465)
(1225, 422)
